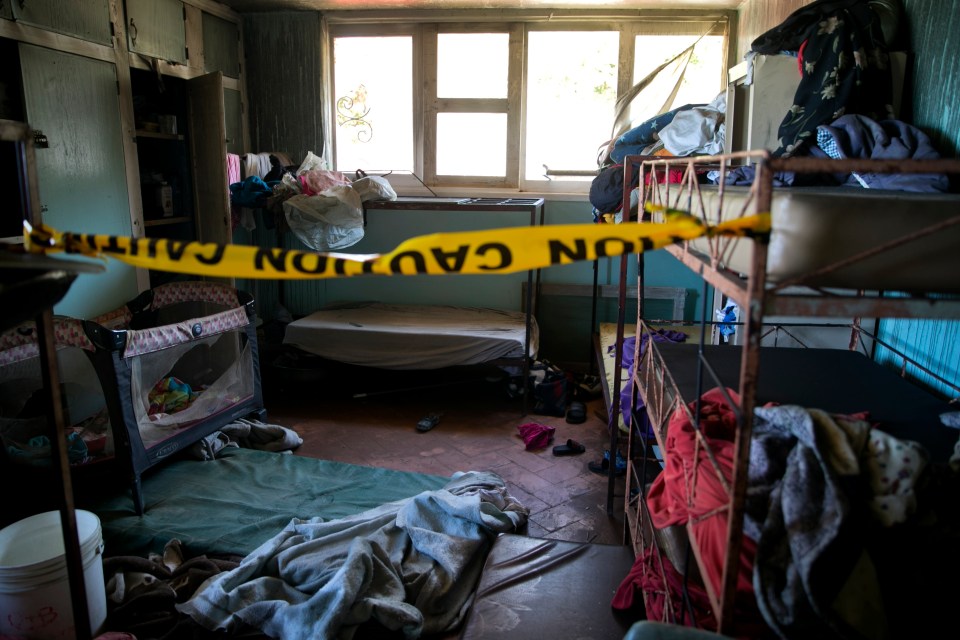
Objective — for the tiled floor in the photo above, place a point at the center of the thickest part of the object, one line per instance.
(370, 418)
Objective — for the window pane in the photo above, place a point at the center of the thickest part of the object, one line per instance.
(701, 81)
(373, 106)
(471, 144)
(472, 65)
(571, 94)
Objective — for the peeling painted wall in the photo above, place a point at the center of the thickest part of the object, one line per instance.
(284, 76)
(932, 33)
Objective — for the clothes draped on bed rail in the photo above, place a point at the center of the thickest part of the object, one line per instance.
(832, 504)
(410, 565)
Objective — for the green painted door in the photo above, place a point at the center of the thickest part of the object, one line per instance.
(234, 120)
(155, 28)
(6, 10)
(73, 101)
(221, 46)
(89, 20)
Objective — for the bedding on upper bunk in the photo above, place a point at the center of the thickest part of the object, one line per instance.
(401, 336)
(813, 227)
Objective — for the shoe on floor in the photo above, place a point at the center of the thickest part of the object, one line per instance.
(576, 412)
(603, 466)
(428, 422)
(571, 448)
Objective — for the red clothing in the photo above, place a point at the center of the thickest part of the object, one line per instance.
(689, 489)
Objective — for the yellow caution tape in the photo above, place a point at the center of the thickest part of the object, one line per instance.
(488, 251)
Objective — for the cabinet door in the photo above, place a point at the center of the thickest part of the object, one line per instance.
(82, 178)
(155, 28)
(6, 11)
(208, 151)
(89, 20)
(221, 46)
(233, 115)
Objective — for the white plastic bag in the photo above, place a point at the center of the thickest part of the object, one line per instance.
(374, 188)
(312, 161)
(326, 222)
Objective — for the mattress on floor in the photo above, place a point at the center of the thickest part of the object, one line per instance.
(236, 502)
(817, 226)
(397, 336)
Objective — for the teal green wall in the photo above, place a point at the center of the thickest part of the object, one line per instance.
(932, 33)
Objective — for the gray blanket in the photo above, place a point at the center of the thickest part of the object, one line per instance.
(410, 565)
(820, 485)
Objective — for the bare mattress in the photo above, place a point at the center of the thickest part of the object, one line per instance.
(817, 226)
(397, 336)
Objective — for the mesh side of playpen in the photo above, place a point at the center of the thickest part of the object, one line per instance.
(187, 358)
(24, 427)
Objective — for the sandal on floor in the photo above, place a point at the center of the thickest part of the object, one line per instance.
(428, 422)
(571, 448)
(603, 466)
(577, 412)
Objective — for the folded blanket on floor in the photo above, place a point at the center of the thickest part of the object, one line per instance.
(410, 565)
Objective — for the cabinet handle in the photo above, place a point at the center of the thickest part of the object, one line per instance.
(133, 32)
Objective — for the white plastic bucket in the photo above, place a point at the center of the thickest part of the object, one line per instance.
(34, 583)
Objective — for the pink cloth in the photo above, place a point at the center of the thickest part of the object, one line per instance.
(314, 181)
(233, 168)
(536, 435)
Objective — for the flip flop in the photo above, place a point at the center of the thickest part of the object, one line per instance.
(603, 466)
(577, 412)
(571, 448)
(428, 422)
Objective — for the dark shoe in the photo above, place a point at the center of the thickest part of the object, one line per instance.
(603, 466)
(577, 412)
(571, 448)
(428, 422)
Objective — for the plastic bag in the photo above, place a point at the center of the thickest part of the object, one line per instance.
(312, 161)
(328, 221)
(374, 188)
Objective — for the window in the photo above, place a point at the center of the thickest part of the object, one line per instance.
(373, 106)
(521, 105)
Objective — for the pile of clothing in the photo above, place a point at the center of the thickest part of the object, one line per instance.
(323, 208)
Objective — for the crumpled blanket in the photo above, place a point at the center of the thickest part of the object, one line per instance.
(170, 395)
(410, 565)
(254, 434)
(142, 593)
(626, 362)
(820, 487)
(697, 131)
(857, 136)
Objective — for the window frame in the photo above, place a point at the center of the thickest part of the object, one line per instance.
(424, 27)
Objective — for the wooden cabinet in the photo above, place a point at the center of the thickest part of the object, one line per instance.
(155, 28)
(181, 152)
(73, 101)
(221, 42)
(233, 116)
(87, 20)
(118, 88)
